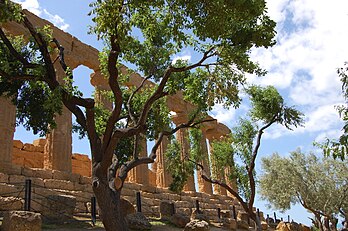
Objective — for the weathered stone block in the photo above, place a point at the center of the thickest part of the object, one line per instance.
(138, 221)
(39, 142)
(11, 203)
(148, 188)
(58, 208)
(81, 164)
(180, 219)
(74, 177)
(59, 175)
(17, 144)
(11, 190)
(37, 172)
(133, 186)
(3, 178)
(59, 184)
(85, 180)
(197, 225)
(29, 147)
(230, 224)
(21, 221)
(167, 209)
(16, 179)
(37, 182)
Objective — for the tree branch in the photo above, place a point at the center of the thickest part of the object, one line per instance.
(14, 52)
(18, 77)
(251, 166)
(151, 158)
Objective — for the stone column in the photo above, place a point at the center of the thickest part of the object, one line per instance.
(58, 149)
(231, 182)
(7, 129)
(140, 173)
(216, 132)
(182, 137)
(163, 177)
(100, 83)
(204, 186)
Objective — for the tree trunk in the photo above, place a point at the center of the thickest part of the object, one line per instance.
(256, 219)
(334, 223)
(326, 224)
(109, 202)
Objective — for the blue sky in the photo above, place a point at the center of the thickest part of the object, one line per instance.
(311, 45)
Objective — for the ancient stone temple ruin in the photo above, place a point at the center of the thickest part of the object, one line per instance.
(51, 166)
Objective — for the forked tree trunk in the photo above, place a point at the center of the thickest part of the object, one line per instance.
(256, 219)
(109, 202)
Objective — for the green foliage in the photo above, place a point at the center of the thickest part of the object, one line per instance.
(195, 138)
(268, 105)
(238, 150)
(319, 184)
(10, 11)
(124, 149)
(180, 168)
(36, 107)
(150, 33)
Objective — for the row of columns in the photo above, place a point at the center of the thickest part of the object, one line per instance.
(58, 148)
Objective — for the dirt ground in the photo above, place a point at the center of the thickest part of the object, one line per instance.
(154, 228)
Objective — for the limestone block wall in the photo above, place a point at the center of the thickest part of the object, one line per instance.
(32, 156)
(81, 164)
(54, 182)
(28, 155)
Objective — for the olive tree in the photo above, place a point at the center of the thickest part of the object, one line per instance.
(320, 185)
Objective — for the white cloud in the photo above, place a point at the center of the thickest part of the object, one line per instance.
(184, 57)
(331, 134)
(56, 20)
(31, 5)
(311, 45)
(34, 7)
(323, 120)
(224, 116)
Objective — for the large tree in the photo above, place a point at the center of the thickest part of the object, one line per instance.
(147, 35)
(239, 151)
(320, 185)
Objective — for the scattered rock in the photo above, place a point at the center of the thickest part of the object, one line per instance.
(21, 221)
(138, 221)
(180, 220)
(197, 225)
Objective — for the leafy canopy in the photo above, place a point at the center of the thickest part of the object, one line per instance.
(319, 184)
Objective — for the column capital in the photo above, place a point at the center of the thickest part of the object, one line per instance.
(217, 132)
(99, 81)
